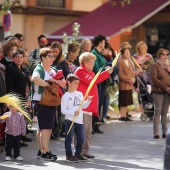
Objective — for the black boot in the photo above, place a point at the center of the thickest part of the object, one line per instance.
(97, 129)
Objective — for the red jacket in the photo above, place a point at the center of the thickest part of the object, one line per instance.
(85, 78)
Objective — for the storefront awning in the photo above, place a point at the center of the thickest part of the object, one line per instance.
(109, 20)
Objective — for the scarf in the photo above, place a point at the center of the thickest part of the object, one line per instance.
(164, 65)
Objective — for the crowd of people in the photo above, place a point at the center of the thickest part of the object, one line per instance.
(29, 74)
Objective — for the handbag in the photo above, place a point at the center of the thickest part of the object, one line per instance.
(51, 96)
(113, 76)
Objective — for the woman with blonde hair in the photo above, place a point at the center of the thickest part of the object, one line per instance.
(160, 78)
(86, 75)
(145, 60)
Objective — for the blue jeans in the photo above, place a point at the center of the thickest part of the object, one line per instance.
(78, 129)
(106, 105)
(101, 90)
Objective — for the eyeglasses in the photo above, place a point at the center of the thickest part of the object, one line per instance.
(51, 56)
(164, 54)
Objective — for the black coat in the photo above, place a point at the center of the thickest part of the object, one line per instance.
(2, 82)
(61, 66)
(16, 80)
(5, 62)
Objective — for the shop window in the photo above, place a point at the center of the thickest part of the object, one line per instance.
(157, 36)
(51, 3)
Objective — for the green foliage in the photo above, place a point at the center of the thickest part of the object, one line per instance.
(8, 5)
(74, 38)
(113, 92)
(121, 2)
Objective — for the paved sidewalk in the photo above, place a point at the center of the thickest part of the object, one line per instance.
(123, 146)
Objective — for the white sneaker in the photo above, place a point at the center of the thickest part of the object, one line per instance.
(8, 158)
(19, 158)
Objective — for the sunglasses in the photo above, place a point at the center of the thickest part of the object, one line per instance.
(164, 54)
(43, 41)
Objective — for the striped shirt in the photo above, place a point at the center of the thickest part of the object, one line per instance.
(15, 124)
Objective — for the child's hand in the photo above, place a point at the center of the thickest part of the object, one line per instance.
(3, 117)
(89, 97)
(23, 134)
(76, 113)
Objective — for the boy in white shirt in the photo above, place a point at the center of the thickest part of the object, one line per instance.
(70, 102)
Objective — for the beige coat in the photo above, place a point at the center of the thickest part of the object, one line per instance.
(125, 74)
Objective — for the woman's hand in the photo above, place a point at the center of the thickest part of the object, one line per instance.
(89, 97)
(132, 81)
(109, 69)
(168, 89)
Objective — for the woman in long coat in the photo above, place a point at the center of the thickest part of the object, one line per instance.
(126, 80)
(86, 75)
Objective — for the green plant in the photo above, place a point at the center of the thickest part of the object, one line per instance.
(8, 5)
(121, 2)
(74, 38)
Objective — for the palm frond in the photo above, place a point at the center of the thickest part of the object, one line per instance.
(16, 101)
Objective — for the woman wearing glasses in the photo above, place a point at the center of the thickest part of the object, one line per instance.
(160, 83)
(45, 114)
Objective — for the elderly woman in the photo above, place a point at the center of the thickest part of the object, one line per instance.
(145, 60)
(160, 72)
(86, 75)
(126, 80)
(46, 114)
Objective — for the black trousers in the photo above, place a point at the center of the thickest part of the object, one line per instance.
(12, 142)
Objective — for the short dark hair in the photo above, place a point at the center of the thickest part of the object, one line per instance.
(123, 50)
(45, 51)
(71, 78)
(41, 36)
(73, 47)
(97, 39)
(18, 35)
(17, 51)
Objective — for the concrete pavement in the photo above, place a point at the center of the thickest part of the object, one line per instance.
(123, 146)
